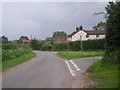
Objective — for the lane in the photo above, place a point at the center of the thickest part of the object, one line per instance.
(45, 71)
(48, 71)
(84, 63)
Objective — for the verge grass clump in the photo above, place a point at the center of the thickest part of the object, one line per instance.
(78, 54)
(105, 76)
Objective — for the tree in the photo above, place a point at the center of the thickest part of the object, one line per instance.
(112, 32)
(100, 26)
(48, 39)
(22, 38)
(33, 43)
(59, 34)
(113, 27)
(4, 39)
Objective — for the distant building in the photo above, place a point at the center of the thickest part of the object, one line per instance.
(28, 41)
(48, 42)
(86, 34)
(60, 40)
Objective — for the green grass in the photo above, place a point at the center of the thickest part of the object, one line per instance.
(105, 76)
(13, 62)
(77, 54)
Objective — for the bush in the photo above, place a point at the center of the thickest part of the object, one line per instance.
(46, 47)
(113, 58)
(38, 46)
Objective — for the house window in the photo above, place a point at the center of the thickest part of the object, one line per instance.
(87, 36)
(97, 35)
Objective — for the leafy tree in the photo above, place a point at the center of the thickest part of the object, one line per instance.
(22, 38)
(59, 34)
(113, 27)
(100, 26)
(48, 39)
(4, 39)
(112, 40)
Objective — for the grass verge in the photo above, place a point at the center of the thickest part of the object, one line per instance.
(77, 54)
(13, 62)
(104, 76)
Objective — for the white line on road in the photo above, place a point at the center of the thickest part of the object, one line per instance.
(75, 65)
(72, 72)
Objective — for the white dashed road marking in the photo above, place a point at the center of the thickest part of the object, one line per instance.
(72, 72)
(75, 65)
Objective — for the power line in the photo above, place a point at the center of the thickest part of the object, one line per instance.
(64, 18)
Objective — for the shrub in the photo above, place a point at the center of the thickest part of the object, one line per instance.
(113, 58)
(46, 47)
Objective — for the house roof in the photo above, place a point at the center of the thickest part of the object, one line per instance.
(89, 32)
(60, 40)
(26, 40)
(48, 41)
(30, 41)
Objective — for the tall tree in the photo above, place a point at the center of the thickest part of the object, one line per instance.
(4, 39)
(48, 39)
(22, 38)
(100, 26)
(113, 26)
(59, 34)
(112, 40)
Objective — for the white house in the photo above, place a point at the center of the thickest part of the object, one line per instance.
(86, 34)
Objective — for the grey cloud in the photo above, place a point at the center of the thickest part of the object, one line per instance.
(41, 19)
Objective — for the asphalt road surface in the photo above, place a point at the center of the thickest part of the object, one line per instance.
(46, 71)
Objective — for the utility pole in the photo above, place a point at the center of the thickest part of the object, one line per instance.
(68, 49)
(81, 44)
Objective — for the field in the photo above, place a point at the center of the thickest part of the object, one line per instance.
(77, 54)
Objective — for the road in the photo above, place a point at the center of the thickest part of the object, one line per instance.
(46, 71)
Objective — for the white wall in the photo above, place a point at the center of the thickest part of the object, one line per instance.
(69, 38)
(83, 34)
(78, 34)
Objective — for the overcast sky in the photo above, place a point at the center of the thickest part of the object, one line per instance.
(40, 19)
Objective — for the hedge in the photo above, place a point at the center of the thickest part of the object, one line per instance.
(97, 44)
(60, 46)
(10, 46)
(46, 47)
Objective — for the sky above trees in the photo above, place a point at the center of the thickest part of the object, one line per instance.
(40, 20)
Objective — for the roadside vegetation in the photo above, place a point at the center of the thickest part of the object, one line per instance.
(16, 61)
(105, 72)
(14, 54)
(78, 54)
(104, 76)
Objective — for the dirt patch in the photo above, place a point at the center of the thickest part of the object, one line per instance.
(80, 81)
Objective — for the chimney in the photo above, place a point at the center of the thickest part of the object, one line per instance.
(77, 29)
(81, 28)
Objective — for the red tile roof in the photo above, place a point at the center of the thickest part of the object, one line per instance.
(89, 32)
(94, 32)
(48, 41)
(26, 40)
(60, 40)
